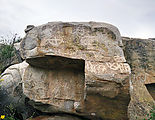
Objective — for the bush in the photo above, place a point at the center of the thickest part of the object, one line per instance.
(9, 118)
(7, 51)
(11, 115)
(151, 115)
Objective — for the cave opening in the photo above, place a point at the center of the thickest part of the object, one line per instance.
(151, 89)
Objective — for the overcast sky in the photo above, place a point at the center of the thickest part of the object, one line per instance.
(134, 18)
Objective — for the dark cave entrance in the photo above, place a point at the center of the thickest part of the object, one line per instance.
(151, 89)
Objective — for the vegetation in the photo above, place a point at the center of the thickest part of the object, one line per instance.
(7, 50)
(11, 110)
(151, 115)
(7, 46)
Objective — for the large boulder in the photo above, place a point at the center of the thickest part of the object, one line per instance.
(76, 68)
(87, 41)
(140, 54)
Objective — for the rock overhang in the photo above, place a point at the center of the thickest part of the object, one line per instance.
(77, 40)
(57, 62)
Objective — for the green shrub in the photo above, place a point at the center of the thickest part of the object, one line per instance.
(11, 115)
(6, 51)
(9, 118)
(151, 115)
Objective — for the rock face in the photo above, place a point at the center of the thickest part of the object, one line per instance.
(140, 54)
(76, 68)
(62, 86)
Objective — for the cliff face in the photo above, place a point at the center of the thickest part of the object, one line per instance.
(140, 54)
(81, 70)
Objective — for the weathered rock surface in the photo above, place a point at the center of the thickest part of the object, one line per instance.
(74, 40)
(13, 76)
(61, 87)
(76, 68)
(140, 54)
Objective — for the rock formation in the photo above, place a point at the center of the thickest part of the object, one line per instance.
(140, 54)
(77, 70)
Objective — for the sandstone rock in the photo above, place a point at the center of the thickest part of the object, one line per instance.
(88, 41)
(76, 68)
(13, 76)
(140, 54)
(17, 45)
(61, 87)
(28, 28)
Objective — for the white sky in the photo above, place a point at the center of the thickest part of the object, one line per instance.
(134, 18)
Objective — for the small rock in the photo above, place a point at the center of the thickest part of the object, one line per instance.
(28, 28)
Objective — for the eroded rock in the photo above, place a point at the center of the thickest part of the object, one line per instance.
(86, 41)
(62, 86)
(140, 54)
(74, 66)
